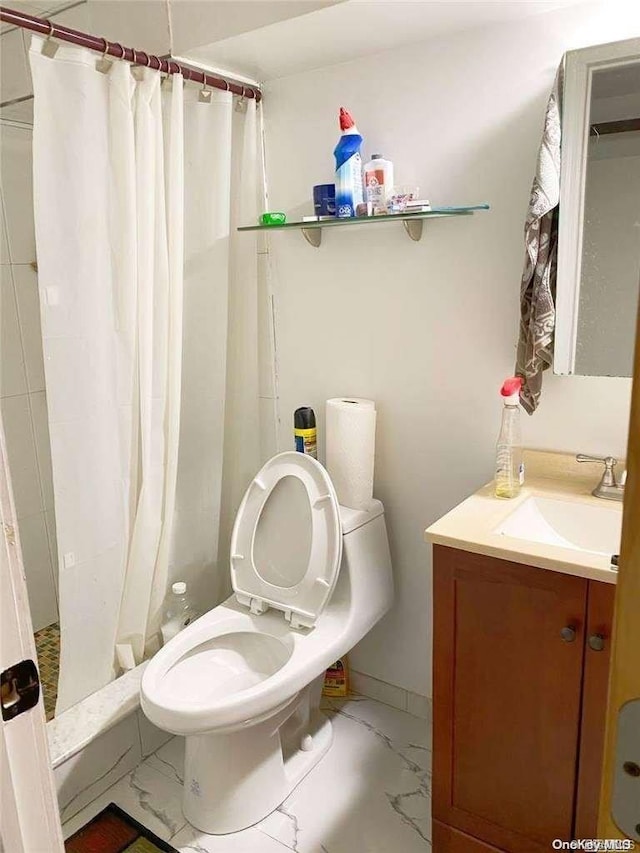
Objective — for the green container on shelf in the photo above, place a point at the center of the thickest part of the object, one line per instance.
(271, 218)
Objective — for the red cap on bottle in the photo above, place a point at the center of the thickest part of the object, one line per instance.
(511, 386)
(345, 119)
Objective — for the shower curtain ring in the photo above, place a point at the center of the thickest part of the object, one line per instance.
(165, 75)
(241, 105)
(204, 96)
(104, 64)
(49, 47)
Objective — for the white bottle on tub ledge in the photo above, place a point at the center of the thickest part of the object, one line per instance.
(179, 611)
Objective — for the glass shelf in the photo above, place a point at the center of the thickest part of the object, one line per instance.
(413, 222)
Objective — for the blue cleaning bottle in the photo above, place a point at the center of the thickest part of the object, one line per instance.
(348, 167)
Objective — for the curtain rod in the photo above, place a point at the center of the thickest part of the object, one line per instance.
(137, 57)
(625, 125)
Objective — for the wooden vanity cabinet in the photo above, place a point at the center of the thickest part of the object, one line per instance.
(521, 658)
(595, 684)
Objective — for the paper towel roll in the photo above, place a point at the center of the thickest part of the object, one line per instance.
(350, 449)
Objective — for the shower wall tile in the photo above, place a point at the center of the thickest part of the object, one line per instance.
(15, 44)
(14, 71)
(21, 111)
(13, 379)
(4, 246)
(26, 286)
(21, 449)
(22, 371)
(43, 447)
(17, 191)
(50, 521)
(38, 570)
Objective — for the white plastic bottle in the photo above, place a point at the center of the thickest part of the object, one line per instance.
(509, 459)
(378, 183)
(179, 611)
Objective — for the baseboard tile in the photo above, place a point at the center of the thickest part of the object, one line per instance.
(391, 694)
(419, 705)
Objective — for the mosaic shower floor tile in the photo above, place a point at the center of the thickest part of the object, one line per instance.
(48, 651)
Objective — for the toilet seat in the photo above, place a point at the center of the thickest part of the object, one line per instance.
(286, 545)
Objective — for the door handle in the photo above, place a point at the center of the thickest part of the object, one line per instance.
(568, 633)
(20, 689)
(596, 642)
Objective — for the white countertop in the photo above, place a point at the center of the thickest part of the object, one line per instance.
(471, 525)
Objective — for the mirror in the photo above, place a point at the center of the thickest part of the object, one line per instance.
(599, 228)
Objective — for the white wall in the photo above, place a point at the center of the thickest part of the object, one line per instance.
(428, 330)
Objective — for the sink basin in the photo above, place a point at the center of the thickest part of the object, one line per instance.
(583, 527)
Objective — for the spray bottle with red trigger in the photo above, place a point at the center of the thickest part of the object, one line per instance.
(509, 456)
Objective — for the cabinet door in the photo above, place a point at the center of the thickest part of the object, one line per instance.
(594, 706)
(508, 655)
(447, 840)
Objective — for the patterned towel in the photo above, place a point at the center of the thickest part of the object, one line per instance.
(538, 288)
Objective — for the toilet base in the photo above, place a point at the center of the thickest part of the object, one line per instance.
(233, 781)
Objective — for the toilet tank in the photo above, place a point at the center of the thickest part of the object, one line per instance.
(366, 577)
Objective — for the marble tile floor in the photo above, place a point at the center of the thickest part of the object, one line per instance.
(370, 794)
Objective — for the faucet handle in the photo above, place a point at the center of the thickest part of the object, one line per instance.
(609, 462)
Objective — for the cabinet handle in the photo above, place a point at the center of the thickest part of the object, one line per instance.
(596, 642)
(568, 633)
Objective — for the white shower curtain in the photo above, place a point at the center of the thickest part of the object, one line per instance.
(219, 431)
(153, 416)
(107, 152)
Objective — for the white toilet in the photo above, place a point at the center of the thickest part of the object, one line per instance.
(243, 682)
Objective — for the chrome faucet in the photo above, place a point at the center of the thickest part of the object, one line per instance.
(609, 487)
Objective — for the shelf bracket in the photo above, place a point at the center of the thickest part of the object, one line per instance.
(413, 227)
(313, 236)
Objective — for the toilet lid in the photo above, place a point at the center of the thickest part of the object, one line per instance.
(286, 544)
